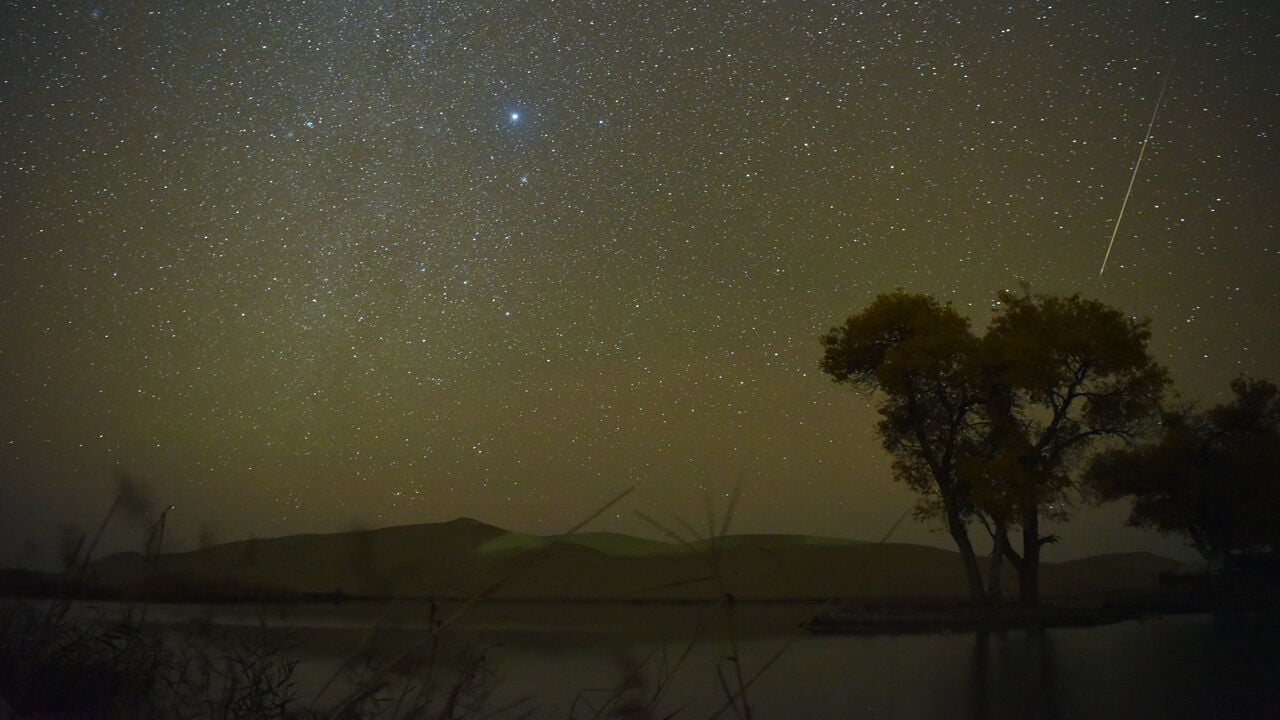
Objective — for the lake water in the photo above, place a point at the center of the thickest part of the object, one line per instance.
(1196, 666)
(1179, 667)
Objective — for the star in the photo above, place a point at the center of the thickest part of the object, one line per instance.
(276, 252)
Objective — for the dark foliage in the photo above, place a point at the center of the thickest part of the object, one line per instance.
(993, 428)
(1212, 476)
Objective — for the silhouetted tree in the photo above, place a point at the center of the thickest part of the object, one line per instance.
(992, 429)
(1061, 375)
(1212, 476)
(919, 355)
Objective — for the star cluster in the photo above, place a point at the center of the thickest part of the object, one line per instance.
(311, 266)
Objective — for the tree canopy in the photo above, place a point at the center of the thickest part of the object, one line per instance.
(1062, 374)
(1212, 476)
(919, 354)
(994, 428)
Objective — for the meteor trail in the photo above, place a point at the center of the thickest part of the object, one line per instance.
(1136, 165)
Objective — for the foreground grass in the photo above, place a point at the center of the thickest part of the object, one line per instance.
(89, 660)
(58, 662)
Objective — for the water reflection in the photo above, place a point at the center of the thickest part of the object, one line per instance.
(1013, 675)
(1175, 667)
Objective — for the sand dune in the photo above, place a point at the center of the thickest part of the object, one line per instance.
(464, 557)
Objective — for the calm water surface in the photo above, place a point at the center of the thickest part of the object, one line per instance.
(1197, 666)
(1179, 667)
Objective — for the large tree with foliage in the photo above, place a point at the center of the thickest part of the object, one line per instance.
(1063, 374)
(993, 428)
(1212, 476)
(919, 355)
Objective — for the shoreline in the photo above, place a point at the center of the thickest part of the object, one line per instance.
(762, 616)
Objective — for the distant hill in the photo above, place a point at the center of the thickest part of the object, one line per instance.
(463, 557)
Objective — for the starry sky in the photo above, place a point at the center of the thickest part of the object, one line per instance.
(318, 266)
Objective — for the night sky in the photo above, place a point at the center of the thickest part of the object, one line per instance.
(319, 266)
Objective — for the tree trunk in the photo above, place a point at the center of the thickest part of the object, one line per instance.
(960, 534)
(1215, 559)
(1029, 572)
(995, 590)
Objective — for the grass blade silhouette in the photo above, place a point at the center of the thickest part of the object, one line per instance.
(404, 658)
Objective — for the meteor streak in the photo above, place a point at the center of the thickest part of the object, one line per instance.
(1136, 165)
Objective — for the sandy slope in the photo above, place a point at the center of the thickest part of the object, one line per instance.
(463, 557)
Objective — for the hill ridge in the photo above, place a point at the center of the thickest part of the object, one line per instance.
(463, 556)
